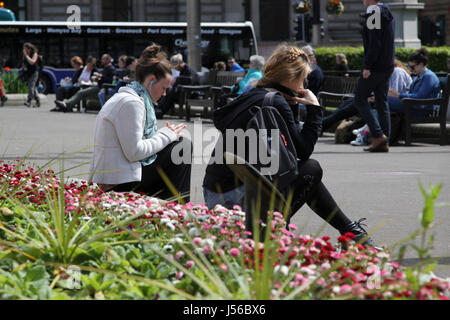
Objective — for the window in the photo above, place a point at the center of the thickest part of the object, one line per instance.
(274, 25)
(18, 7)
(116, 10)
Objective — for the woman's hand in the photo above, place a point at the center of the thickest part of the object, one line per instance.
(308, 98)
(25, 52)
(176, 128)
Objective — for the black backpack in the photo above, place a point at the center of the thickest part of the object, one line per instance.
(265, 119)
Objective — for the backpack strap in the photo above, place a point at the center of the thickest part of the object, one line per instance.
(268, 98)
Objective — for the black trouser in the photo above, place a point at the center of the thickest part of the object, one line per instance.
(309, 189)
(153, 184)
(66, 92)
(378, 83)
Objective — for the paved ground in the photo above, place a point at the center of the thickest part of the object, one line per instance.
(384, 188)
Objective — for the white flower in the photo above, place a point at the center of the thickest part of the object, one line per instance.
(282, 269)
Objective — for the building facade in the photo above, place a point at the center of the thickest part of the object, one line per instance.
(274, 20)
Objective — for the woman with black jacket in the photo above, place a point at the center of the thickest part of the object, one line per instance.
(285, 71)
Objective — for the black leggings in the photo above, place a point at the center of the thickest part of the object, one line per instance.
(309, 189)
(178, 174)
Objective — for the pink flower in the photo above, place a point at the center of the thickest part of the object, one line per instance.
(235, 252)
(179, 255)
(189, 264)
(345, 288)
(292, 226)
(179, 275)
(224, 267)
(197, 241)
(206, 249)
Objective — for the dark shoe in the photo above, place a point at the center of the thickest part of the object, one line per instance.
(378, 145)
(38, 104)
(28, 104)
(56, 109)
(360, 234)
(62, 105)
(3, 101)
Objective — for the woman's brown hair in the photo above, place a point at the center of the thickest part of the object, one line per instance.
(342, 58)
(287, 62)
(32, 47)
(152, 61)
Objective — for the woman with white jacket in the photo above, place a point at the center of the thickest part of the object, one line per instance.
(128, 147)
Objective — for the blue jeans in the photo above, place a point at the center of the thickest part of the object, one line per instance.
(379, 84)
(227, 199)
(101, 95)
(395, 104)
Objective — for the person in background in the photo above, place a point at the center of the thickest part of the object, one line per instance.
(315, 78)
(253, 74)
(69, 86)
(220, 66)
(341, 64)
(287, 68)
(234, 66)
(129, 149)
(187, 76)
(31, 72)
(443, 79)
(105, 77)
(3, 97)
(399, 81)
(378, 65)
(118, 78)
(425, 85)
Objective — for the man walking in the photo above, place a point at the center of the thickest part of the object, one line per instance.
(379, 54)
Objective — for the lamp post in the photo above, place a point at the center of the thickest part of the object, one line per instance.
(194, 34)
(316, 22)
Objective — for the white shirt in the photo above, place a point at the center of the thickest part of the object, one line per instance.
(118, 139)
(400, 80)
(85, 76)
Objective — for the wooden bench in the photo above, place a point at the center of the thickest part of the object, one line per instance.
(217, 82)
(439, 117)
(260, 194)
(336, 89)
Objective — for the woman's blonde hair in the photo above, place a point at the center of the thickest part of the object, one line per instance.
(286, 63)
(342, 58)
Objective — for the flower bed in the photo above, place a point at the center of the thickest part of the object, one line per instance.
(131, 246)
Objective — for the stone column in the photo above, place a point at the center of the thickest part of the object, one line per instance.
(406, 23)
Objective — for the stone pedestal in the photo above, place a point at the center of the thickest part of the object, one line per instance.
(406, 24)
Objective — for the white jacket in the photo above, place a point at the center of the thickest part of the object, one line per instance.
(118, 139)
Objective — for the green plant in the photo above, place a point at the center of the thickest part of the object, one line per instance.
(12, 83)
(326, 57)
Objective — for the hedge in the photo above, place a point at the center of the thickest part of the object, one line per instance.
(326, 57)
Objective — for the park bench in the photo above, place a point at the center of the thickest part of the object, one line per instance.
(440, 116)
(207, 94)
(335, 90)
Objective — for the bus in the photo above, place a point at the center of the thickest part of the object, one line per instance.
(58, 42)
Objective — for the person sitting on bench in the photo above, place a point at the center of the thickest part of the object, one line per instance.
(187, 76)
(105, 77)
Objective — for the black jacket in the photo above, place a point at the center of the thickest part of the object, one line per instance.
(315, 79)
(379, 50)
(187, 73)
(235, 115)
(107, 75)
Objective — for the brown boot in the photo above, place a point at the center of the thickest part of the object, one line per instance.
(378, 145)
